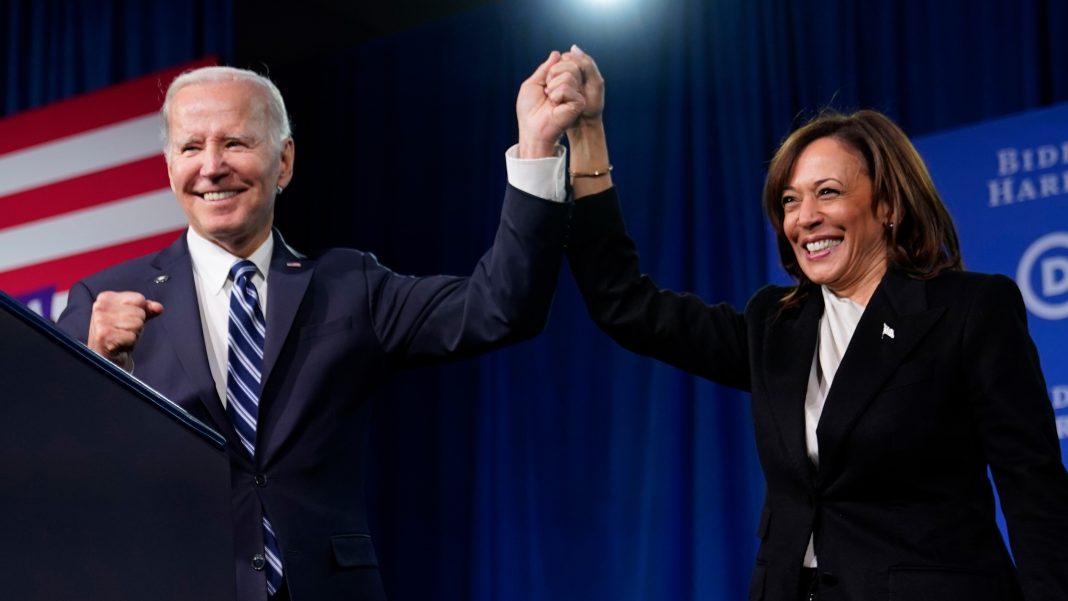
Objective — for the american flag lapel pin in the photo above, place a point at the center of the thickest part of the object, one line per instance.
(888, 332)
(294, 264)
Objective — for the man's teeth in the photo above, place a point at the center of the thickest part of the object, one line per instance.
(218, 195)
(819, 245)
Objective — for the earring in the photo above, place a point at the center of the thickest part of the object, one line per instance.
(278, 190)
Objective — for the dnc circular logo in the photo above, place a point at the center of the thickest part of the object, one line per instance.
(1043, 276)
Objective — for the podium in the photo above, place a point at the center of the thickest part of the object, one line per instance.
(108, 491)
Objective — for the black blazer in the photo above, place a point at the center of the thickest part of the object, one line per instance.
(901, 505)
(337, 326)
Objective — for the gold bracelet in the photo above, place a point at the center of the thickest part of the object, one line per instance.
(596, 173)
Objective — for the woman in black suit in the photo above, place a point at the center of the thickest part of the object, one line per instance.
(884, 383)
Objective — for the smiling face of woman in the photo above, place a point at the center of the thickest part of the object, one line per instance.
(829, 220)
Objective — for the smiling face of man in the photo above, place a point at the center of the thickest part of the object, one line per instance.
(224, 168)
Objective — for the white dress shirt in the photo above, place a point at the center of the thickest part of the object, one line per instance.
(211, 274)
(543, 178)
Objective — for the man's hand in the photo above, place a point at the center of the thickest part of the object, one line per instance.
(549, 103)
(116, 324)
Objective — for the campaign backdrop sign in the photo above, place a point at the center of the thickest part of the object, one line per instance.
(1006, 185)
(83, 186)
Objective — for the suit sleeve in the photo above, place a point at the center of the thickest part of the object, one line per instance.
(506, 299)
(75, 317)
(1016, 425)
(677, 328)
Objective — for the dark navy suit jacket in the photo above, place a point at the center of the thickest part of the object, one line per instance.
(337, 326)
(940, 382)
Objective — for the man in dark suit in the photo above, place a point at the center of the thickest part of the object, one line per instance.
(279, 351)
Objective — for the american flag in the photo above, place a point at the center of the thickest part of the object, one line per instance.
(83, 186)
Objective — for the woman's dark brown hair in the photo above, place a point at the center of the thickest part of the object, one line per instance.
(920, 236)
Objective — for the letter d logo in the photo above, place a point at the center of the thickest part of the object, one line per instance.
(1054, 276)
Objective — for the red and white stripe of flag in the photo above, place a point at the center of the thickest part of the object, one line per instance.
(83, 186)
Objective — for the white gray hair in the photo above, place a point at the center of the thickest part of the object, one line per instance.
(278, 129)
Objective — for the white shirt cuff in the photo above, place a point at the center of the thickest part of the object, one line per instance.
(543, 178)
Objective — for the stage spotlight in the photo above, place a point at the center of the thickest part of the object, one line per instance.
(613, 18)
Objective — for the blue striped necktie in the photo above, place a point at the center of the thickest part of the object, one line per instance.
(244, 367)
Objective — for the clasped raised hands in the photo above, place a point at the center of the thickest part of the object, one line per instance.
(550, 101)
(564, 93)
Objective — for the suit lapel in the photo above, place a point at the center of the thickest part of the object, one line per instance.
(175, 289)
(290, 275)
(289, 278)
(896, 319)
(791, 344)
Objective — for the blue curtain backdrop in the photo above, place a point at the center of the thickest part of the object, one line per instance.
(565, 468)
(54, 49)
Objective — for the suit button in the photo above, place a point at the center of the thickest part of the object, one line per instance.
(260, 480)
(258, 561)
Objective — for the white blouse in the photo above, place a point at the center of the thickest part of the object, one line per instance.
(839, 320)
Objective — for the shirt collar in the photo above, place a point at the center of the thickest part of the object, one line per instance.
(212, 263)
(841, 307)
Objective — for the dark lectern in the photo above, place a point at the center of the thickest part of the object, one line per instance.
(108, 491)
